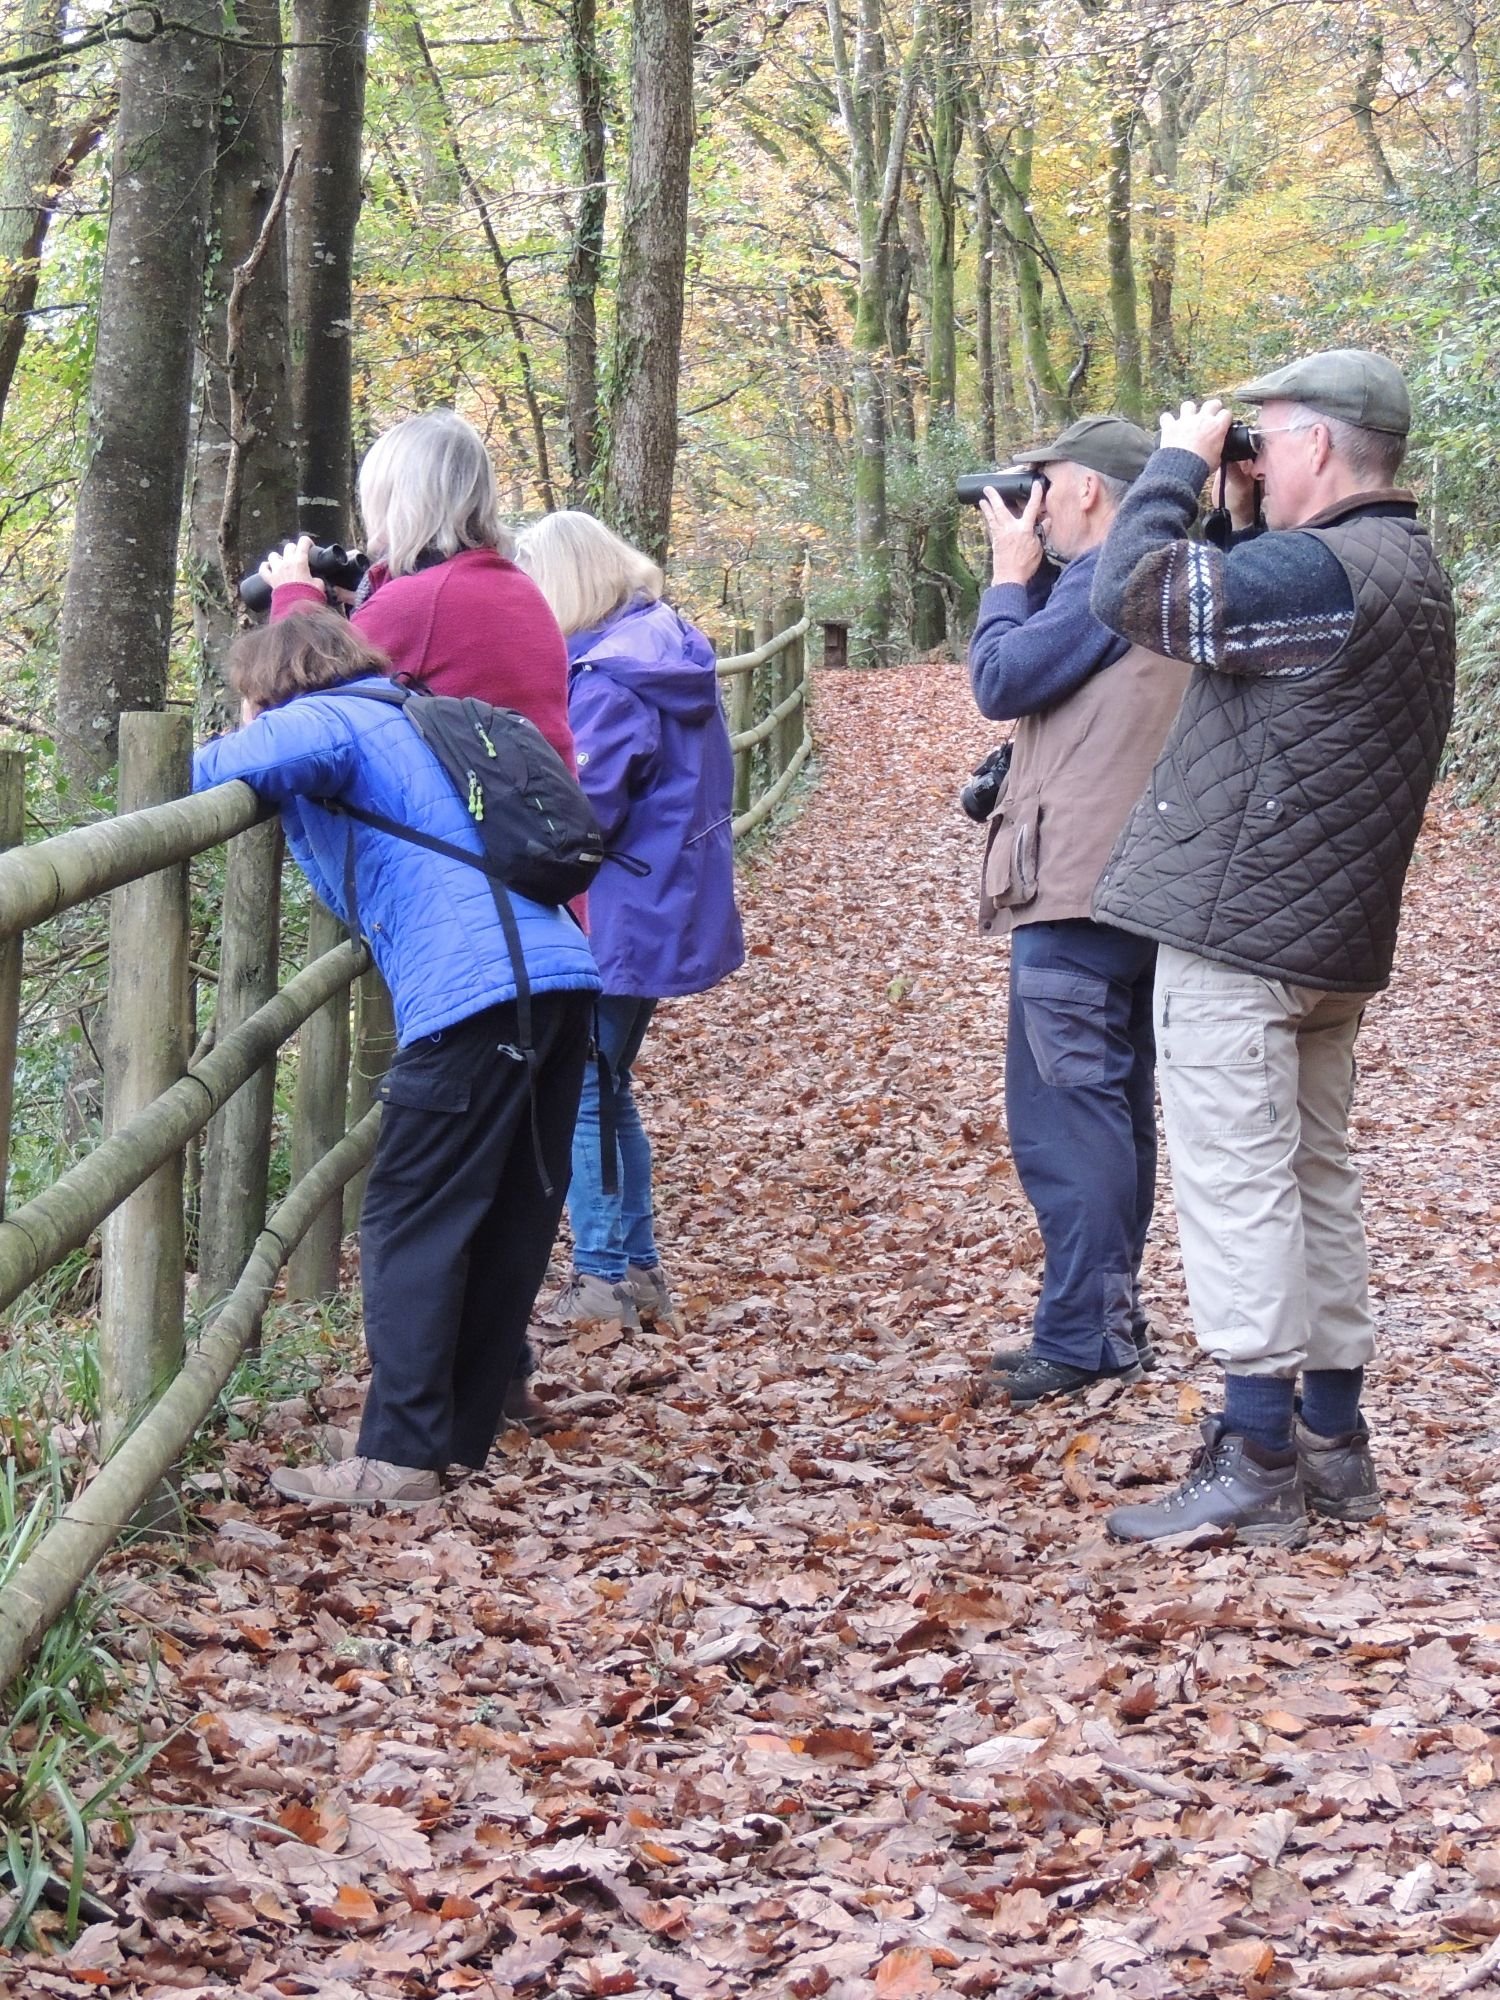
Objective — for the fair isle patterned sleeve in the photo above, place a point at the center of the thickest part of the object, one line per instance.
(1273, 604)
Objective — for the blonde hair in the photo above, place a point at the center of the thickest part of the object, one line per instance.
(428, 483)
(584, 570)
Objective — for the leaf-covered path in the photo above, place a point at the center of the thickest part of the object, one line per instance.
(789, 1671)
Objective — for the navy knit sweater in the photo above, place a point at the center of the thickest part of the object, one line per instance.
(1035, 643)
(1274, 603)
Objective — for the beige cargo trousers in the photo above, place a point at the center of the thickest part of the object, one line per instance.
(1256, 1079)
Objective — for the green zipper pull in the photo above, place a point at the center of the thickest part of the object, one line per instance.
(489, 747)
(476, 798)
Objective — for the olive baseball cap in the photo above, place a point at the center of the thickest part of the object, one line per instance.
(1104, 444)
(1363, 389)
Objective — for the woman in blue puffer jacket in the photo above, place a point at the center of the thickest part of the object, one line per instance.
(654, 759)
(457, 1226)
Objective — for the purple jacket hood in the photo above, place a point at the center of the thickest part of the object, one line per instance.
(654, 759)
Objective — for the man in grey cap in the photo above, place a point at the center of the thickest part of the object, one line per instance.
(1093, 713)
(1267, 858)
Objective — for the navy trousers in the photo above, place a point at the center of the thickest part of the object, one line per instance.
(457, 1228)
(1080, 1062)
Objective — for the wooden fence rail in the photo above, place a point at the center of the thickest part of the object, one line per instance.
(768, 714)
(159, 1098)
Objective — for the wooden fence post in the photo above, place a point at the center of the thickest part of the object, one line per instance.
(374, 1045)
(237, 1145)
(318, 1110)
(147, 1041)
(12, 832)
(789, 729)
(764, 700)
(741, 698)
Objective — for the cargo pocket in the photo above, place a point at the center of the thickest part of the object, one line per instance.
(1213, 1072)
(1010, 857)
(1066, 1024)
(424, 1134)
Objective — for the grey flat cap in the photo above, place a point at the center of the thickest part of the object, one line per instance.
(1104, 444)
(1348, 382)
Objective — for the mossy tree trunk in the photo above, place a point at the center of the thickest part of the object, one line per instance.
(325, 117)
(647, 355)
(117, 604)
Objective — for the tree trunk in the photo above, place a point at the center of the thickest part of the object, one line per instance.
(1124, 315)
(1161, 237)
(246, 447)
(1048, 396)
(878, 122)
(37, 160)
(117, 605)
(586, 254)
(945, 597)
(642, 427)
(325, 117)
(1362, 110)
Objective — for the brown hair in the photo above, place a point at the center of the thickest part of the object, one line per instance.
(299, 654)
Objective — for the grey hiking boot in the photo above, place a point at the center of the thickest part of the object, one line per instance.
(648, 1286)
(586, 1300)
(1034, 1379)
(357, 1482)
(1225, 1489)
(1006, 1360)
(1338, 1473)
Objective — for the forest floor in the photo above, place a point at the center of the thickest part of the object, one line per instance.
(791, 1671)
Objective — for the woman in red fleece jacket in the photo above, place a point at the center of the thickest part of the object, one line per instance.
(442, 600)
(448, 608)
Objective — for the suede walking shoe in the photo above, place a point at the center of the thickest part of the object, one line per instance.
(1005, 1360)
(586, 1300)
(1226, 1488)
(336, 1441)
(647, 1285)
(357, 1482)
(1338, 1473)
(1034, 1379)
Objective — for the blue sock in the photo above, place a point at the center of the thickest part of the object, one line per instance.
(1259, 1407)
(1330, 1400)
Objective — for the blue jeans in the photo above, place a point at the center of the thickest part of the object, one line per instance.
(611, 1231)
(1080, 1063)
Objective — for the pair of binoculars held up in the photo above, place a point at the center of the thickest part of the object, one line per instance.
(329, 563)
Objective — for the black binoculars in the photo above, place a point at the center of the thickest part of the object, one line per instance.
(1240, 442)
(1013, 485)
(329, 563)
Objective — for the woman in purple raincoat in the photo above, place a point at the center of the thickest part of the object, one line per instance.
(654, 759)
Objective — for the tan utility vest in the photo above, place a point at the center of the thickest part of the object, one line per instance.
(1077, 770)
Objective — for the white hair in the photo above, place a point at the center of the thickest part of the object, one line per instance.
(583, 569)
(428, 483)
(1374, 456)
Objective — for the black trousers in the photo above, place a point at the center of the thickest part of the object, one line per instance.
(456, 1230)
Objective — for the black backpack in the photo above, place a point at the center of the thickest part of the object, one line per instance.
(539, 831)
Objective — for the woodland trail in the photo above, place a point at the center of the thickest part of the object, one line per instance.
(790, 1672)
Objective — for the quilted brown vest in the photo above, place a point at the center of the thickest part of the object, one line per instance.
(1077, 770)
(1281, 816)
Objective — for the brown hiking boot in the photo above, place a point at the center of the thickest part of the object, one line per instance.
(357, 1482)
(653, 1297)
(1338, 1473)
(589, 1301)
(1225, 1489)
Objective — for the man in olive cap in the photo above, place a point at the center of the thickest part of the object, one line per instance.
(1267, 858)
(1093, 713)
